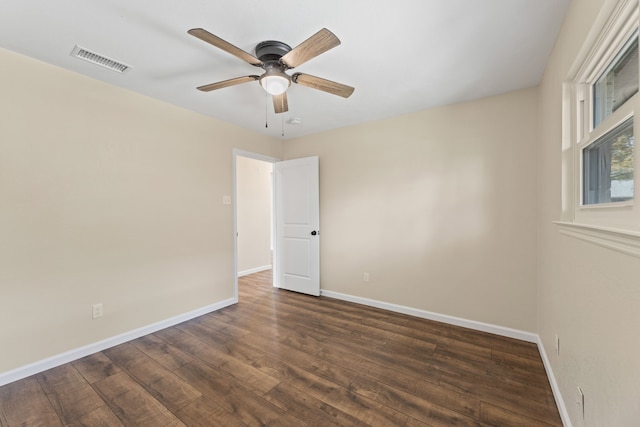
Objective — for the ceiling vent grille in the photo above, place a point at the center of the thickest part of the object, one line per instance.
(103, 61)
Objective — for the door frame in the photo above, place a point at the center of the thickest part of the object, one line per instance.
(273, 160)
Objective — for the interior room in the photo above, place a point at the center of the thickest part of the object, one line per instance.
(449, 190)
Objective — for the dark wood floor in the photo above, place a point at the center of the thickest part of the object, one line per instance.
(283, 359)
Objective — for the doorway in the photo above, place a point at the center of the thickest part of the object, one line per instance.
(254, 214)
(292, 187)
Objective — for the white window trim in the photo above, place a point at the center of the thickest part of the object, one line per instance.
(613, 225)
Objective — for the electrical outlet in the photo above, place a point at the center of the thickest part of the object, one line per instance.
(557, 345)
(365, 277)
(97, 310)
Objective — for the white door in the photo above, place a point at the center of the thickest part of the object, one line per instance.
(297, 225)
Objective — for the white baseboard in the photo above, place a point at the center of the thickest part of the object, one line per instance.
(70, 356)
(562, 409)
(254, 270)
(457, 321)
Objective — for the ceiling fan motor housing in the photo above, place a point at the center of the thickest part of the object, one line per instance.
(271, 50)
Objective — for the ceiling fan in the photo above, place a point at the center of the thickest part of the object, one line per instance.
(275, 58)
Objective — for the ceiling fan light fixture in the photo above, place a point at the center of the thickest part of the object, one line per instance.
(275, 82)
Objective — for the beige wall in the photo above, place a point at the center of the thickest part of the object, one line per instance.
(254, 183)
(106, 196)
(588, 295)
(439, 207)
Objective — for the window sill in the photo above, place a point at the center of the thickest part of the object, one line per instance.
(625, 241)
(628, 204)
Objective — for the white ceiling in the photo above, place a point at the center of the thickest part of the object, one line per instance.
(401, 56)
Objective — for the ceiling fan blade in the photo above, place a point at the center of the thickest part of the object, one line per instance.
(280, 103)
(206, 36)
(315, 45)
(322, 84)
(227, 83)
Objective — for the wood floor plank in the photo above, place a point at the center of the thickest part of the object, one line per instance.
(368, 337)
(74, 403)
(336, 373)
(197, 348)
(421, 409)
(313, 411)
(533, 368)
(495, 416)
(412, 422)
(171, 334)
(132, 403)
(231, 330)
(339, 397)
(173, 392)
(95, 367)
(242, 403)
(508, 380)
(239, 369)
(373, 328)
(228, 347)
(69, 393)
(262, 322)
(536, 409)
(424, 390)
(25, 403)
(285, 359)
(492, 375)
(204, 412)
(211, 382)
(170, 357)
(169, 389)
(407, 362)
(100, 417)
(65, 376)
(483, 339)
(362, 363)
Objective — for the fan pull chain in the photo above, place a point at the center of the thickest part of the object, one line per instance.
(266, 114)
(282, 117)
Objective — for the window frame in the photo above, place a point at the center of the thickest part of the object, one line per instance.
(627, 111)
(586, 177)
(610, 65)
(599, 222)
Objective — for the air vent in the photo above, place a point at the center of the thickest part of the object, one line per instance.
(103, 61)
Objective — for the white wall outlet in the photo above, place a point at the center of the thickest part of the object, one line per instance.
(365, 277)
(557, 345)
(97, 310)
(226, 200)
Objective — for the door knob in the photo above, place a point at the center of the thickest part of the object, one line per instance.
(314, 232)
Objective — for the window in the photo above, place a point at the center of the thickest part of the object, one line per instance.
(600, 166)
(606, 143)
(608, 161)
(607, 167)
(618, 83)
